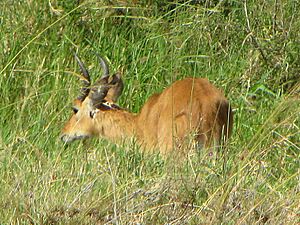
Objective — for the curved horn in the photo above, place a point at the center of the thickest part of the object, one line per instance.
(101, 86)
(85, 79)
(103, 65)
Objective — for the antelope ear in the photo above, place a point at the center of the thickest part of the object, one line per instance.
(116, 86)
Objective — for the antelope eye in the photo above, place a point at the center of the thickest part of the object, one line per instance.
(75, 110)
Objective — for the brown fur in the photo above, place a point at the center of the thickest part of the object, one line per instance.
(189, 106)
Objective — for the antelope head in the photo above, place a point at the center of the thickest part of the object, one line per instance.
(92, 100)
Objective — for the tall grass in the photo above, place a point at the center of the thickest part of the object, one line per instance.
(249, 49)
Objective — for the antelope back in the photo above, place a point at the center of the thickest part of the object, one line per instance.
(190, 107)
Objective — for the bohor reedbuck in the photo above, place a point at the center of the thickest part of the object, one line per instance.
(191, 110)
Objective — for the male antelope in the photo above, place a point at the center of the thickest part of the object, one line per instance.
(189, 107)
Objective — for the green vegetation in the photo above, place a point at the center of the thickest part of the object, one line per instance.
(250, 49)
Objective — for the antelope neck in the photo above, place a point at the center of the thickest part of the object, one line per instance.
(116, 123)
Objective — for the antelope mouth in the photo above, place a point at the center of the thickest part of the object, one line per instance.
(68, 139)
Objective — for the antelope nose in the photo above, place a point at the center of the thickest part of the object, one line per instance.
(64, 138)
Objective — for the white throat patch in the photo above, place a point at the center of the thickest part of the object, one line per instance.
(108, 104)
